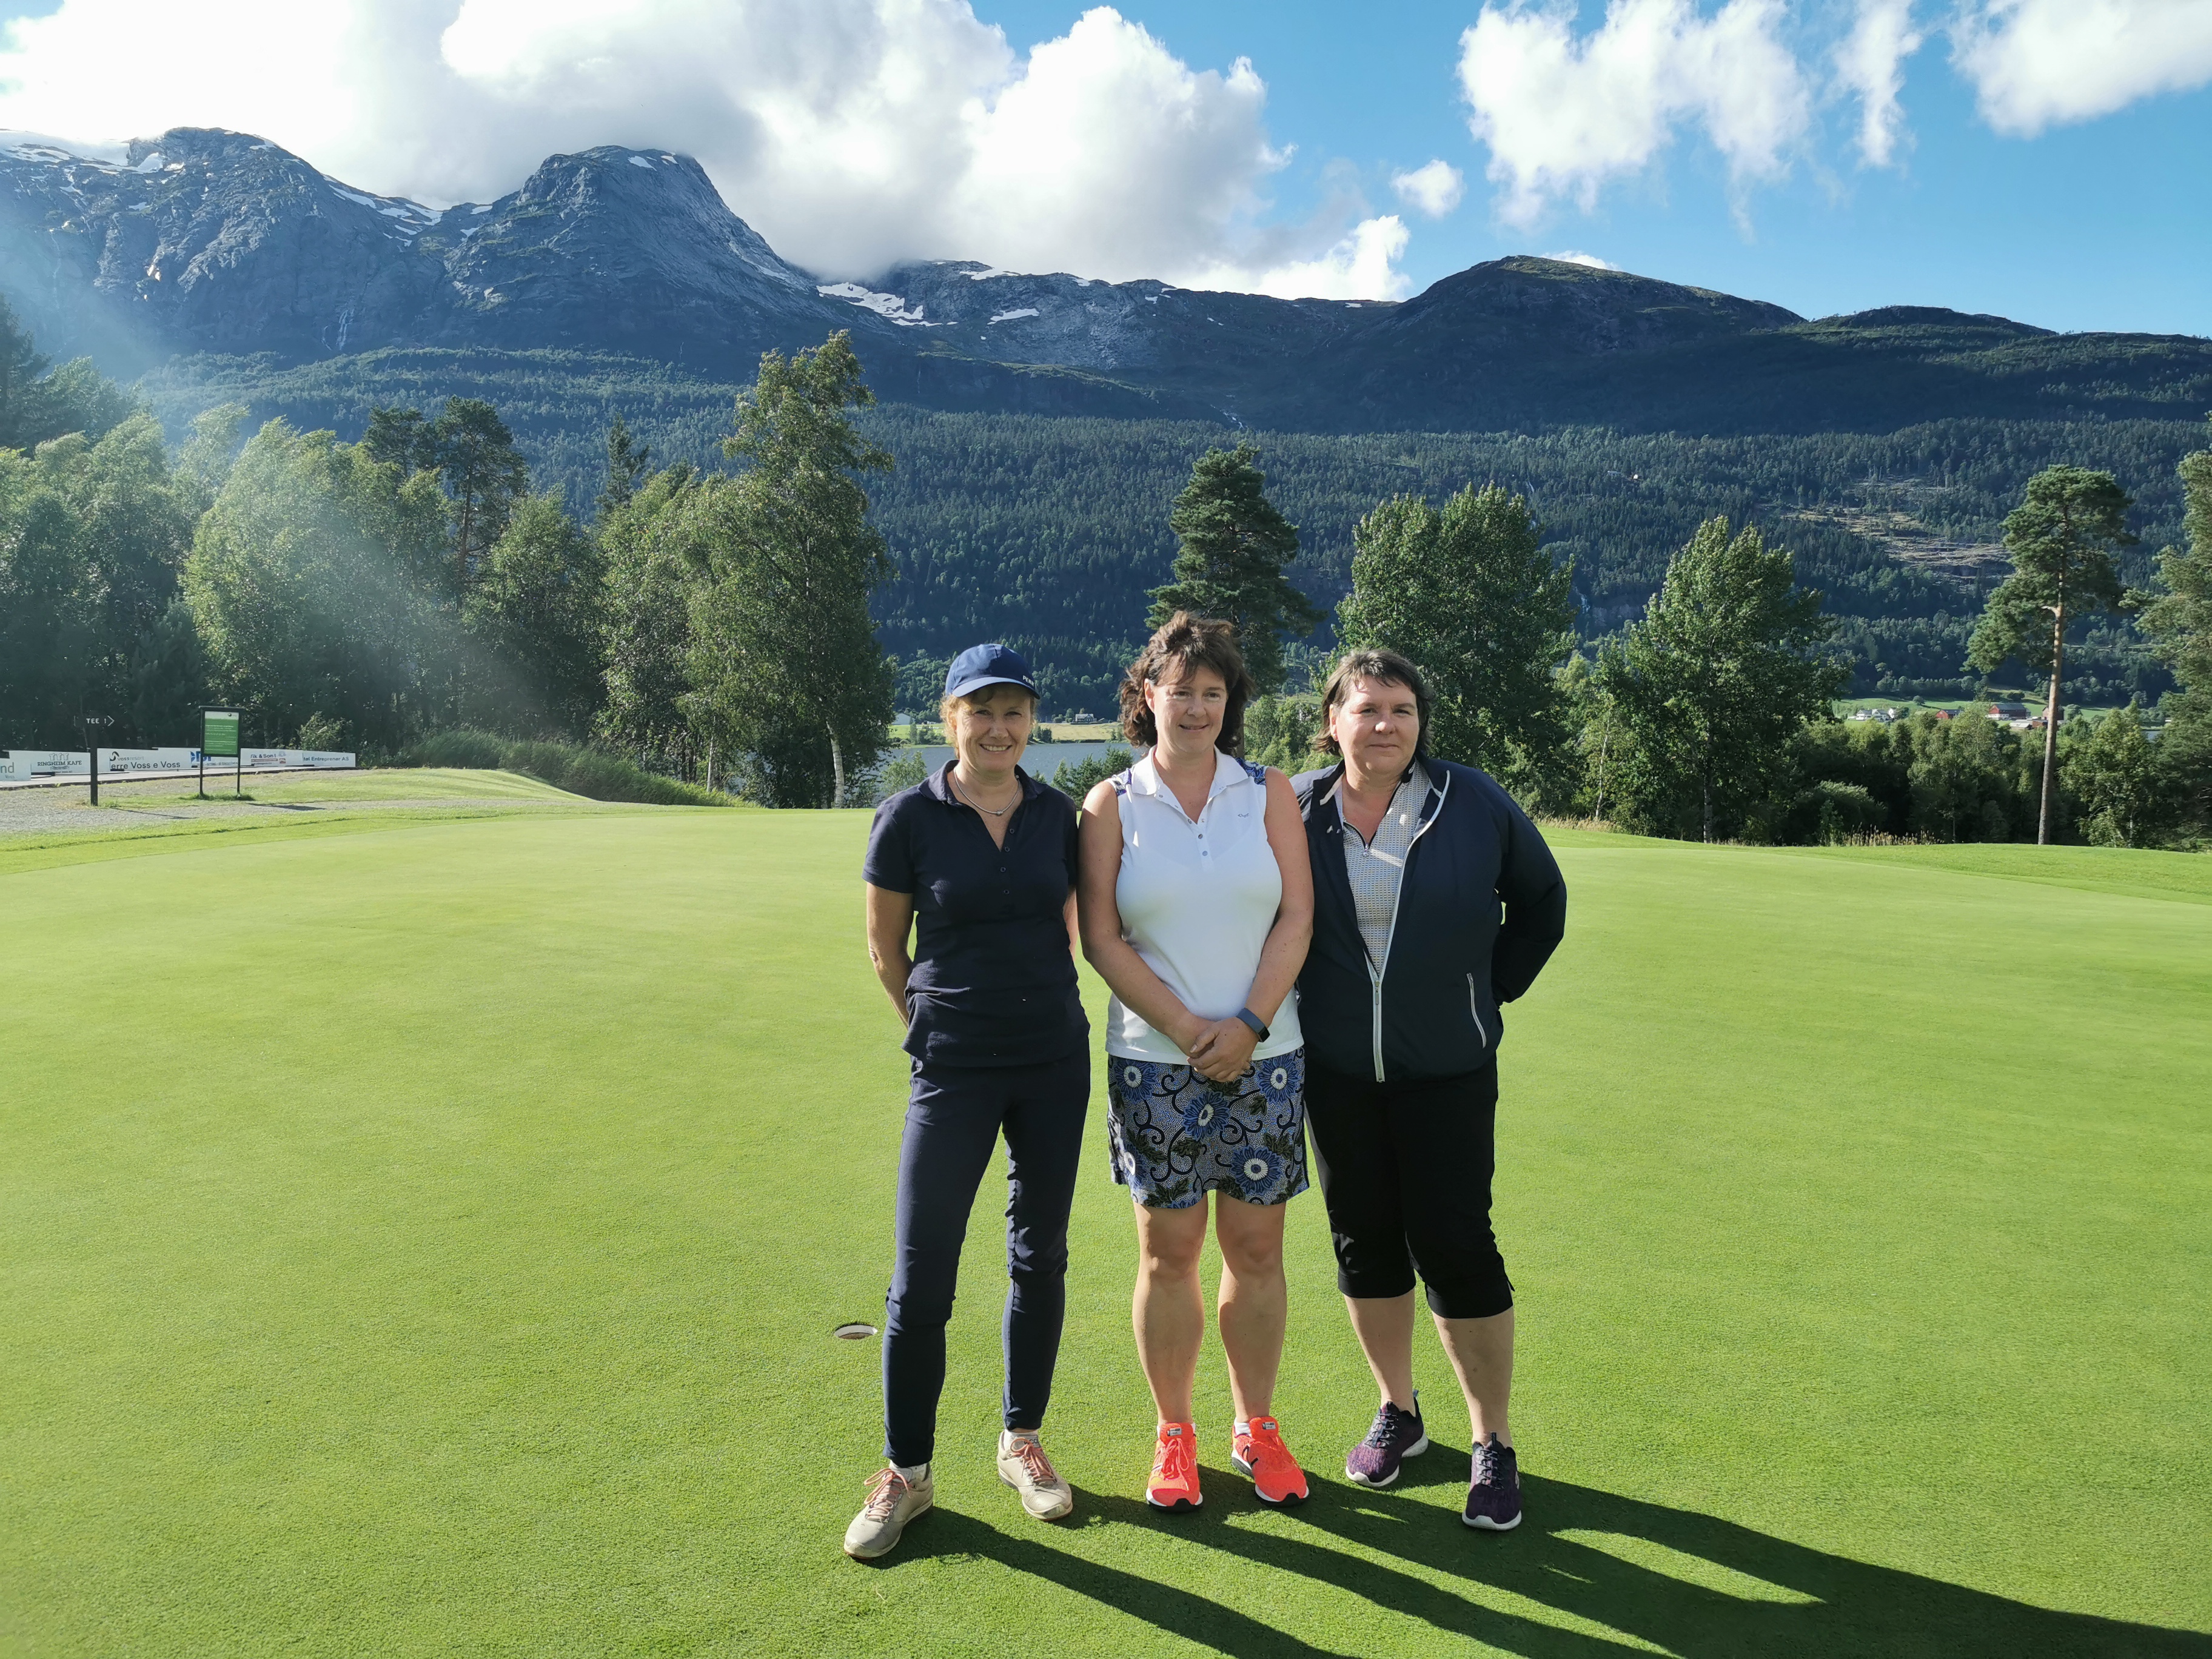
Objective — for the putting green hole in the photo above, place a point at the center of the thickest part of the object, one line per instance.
(853, 1333)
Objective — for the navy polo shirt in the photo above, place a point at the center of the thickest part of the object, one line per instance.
(994, 980)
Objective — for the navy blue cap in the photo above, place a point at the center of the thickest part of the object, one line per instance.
(980, 665)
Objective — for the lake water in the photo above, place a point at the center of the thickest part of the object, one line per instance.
(1040, 760)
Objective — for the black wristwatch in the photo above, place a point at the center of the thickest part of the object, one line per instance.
(1258, 1025)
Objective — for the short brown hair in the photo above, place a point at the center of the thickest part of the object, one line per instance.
(1183, 645)
(1389, 668)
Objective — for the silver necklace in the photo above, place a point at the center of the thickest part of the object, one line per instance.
(995, 811)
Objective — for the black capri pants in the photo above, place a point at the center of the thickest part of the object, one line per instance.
(1405, 1170)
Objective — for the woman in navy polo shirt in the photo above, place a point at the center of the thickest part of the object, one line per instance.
(978, 864)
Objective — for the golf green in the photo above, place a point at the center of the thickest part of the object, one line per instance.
(427, 1239)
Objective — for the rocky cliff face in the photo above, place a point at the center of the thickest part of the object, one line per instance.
(209, 241)
(622, 250)
(202, 240)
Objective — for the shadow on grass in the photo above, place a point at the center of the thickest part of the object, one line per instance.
(1693, 1585)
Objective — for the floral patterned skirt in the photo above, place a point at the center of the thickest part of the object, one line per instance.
(1174, 1136)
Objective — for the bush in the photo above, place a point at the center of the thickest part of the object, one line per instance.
(597, 773)
(1076, 780)
(904, 770)
(475, 751)
(1842, 810)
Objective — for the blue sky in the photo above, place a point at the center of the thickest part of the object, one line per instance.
(2100, 224)
(2041, 159)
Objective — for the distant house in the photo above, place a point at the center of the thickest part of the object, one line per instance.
(2008, 711)
(1943, 714)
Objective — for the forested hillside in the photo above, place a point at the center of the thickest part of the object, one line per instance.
(1047, 531)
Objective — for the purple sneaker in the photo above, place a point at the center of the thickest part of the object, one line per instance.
(1395, 1437)
(1494, 1494)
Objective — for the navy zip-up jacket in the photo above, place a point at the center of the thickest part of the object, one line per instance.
(1432, 1011)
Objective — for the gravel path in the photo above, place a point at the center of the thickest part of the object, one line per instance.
(38, 812)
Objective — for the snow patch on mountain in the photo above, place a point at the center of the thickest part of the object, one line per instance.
(890, 306)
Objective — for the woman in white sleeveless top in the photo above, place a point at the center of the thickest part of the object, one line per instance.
(1196, 904)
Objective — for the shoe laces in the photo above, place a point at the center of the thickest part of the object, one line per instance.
(1384, 1428)
(887, 1486)
(1034, 1463)
(1175, 1457)
(1489, 1460)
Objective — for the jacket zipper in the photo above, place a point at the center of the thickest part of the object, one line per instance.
(1475, 1009)
(1375, 970)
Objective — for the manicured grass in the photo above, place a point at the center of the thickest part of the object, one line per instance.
(426, 1240)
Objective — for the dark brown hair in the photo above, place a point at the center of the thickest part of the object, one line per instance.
(1183, 645)
(1386, 666)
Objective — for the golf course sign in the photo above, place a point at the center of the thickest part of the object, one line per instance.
(219, 741)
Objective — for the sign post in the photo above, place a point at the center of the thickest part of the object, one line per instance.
(219, 738)
(92, 724)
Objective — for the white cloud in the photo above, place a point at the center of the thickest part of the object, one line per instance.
(851, 133)
(1869, 61)
(1363, 265)
(2038, 64)
(1563, 116)
(1435, 190)
(1576, 257)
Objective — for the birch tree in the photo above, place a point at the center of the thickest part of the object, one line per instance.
(783, 658)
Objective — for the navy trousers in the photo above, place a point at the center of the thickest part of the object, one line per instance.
(953, 1119)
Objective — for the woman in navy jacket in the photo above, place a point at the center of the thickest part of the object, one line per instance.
(1435, 901)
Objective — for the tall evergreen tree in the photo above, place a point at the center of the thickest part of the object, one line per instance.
(627, 461)
(2064, 539)
(401, 438)
(784, 659)
(2179, 622)
(484, 476)
(1719, 677)
(1469, 594)
(1234, 548)
(22, 402)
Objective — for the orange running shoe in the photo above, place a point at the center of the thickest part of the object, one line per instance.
(1260, 1452)
(1174, 1485)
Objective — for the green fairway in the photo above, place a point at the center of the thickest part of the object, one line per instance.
(426, 1239)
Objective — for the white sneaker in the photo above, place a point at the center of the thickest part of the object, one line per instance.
(893, 1500)
(1024, 1465)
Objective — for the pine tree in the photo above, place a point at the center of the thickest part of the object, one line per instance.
(2179, 622)
(400, 438)
(22, 403)
(484, 475)
(627, 461)
(1470, 596)
(2064, 538)
(1235, 546)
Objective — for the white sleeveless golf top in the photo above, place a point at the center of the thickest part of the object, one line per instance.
(1197, 901)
